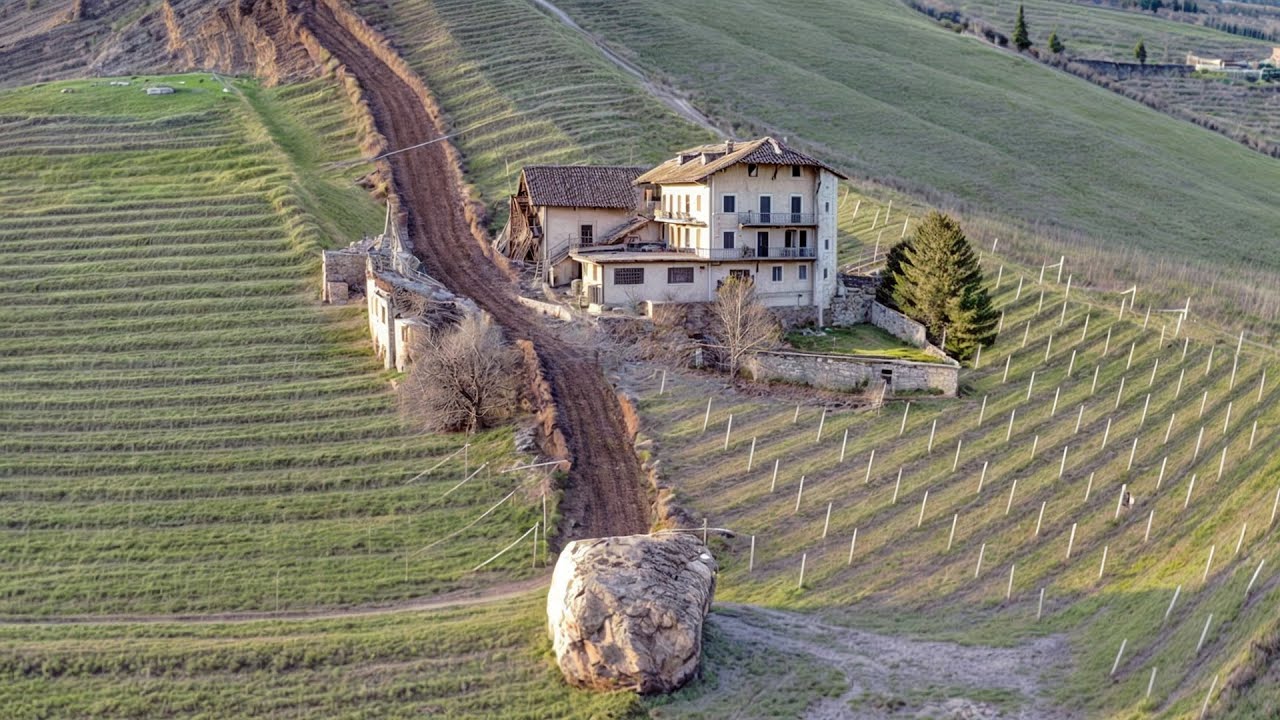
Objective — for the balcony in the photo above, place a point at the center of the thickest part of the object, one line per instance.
(776, 219)
(676, 216)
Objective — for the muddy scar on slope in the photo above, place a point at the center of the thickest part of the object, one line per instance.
(772, 663)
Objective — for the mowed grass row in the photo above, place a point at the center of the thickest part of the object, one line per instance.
(482, 661)
(184, 427)
(910, 574)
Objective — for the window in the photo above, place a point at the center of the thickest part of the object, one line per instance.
(730, 203)
(585, 234)
(777, 273)
(795, 171)
(803, 272)
(762, 243)
(826, 243)
(728, 239)
(697, 203)
(679, 275)
(789, 238)
(686, 204)
(753, 170)
(741, 274)
(804, 238)
(628, 276)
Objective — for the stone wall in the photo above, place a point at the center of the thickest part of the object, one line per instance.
(845, 373)
(898, 325)
(854, 307)
(699, 318)
(343, 271)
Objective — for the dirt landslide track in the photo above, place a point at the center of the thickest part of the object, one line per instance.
(605, 492)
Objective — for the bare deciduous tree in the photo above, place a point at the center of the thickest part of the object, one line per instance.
(462, 378)
(742, 324)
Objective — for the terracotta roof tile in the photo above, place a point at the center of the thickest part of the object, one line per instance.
(593, 186)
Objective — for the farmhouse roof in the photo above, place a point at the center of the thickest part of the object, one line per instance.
(696, 163)
(591, 186)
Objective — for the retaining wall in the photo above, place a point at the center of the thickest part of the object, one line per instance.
(847, 373)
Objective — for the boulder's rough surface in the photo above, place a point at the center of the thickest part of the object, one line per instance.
(626, 613)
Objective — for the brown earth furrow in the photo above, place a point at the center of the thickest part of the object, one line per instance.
(604, 494)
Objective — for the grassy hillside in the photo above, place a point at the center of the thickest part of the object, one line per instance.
(1046, 458)
(889, 94)
(184, 427)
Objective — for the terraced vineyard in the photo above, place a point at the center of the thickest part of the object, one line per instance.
(947, 520)
(184, 427)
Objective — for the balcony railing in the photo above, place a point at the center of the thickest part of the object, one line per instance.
(739, 253)
(775, 219)
(786, 252)
(678, 216)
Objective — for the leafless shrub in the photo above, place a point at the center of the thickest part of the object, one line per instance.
(742, 325)
(463, 378)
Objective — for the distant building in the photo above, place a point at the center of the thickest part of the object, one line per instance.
(1275, 57)
(160, 90)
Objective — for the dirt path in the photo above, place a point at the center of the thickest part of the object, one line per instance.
(897, 677)
(681, 106)
(458, 598)
(605, 492)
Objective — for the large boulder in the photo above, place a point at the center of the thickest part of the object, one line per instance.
(626, 613)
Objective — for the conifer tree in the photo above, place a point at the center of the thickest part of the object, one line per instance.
(1140, 52)
(1055, 45)
(939, 284)
(892, 269)
(1021, 39)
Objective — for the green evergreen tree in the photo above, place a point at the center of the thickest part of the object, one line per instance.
(1140, 52)
(1021, 39)
(939, 284)
(892, 269)
(1055, 45)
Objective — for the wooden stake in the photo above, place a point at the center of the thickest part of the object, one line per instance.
(1190, 487)
(1204, 633)
(1176, 592)
(1186, 343)
(983, 412)
(977, 360)
(1119, 393)
(1062, 466)
(1120, 500)
(1204, 400)
(706, 418)
(1181, 374)
(870, 460)
(1235, 365)
(999, 276)
(1240, 542)
(1253, 433)
(1085, 330)
(1150, 518)
(853, 544)
(1000, 324)
(1129, 363)
(1005, 378)
(821, 423)
(1208, 696)
(1106, 434)
(1208, 365)
(1106, 346)
(1094, 387)
(826, 525)
(1056, 392)
(956, 462)
(983, 477)
(774, 483)
(1009, 432)
(1040, 605)
(1079, 417)
(728, 429)
(1146, 319)
(1133, 450)
(1026, 334)
(1160, 479)
(932, 431)
(903, 427)
(1154, 368)
(1199, 438)
(950, 538)
(897, 485)
(796, 418)
(1227, 422)
(1088, 488)
(803, 558)
(751, 563)
(1208, 564)
(1018, 294)
(1062, 317)
(1151, 683)
(843, 444)
(1012, 489)
(1039, 519)
(1040, 305)
(1035, 442)
(799, 494)
(751, 455)
(1031, 383)
(1008, 593)
(981, 553)
(1116, 664)
(1222, 462)
(1071, 541)
(1072, 364)
(923, 501)
(663, 387)
(1262, 382)
(1169, 429)
(1254, 579)
(1103, 567)
(1145, 405)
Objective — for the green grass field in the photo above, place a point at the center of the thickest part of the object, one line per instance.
(910, 576)
(185, 427)
(866, 340)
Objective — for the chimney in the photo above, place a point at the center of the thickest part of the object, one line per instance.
(728, 146)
